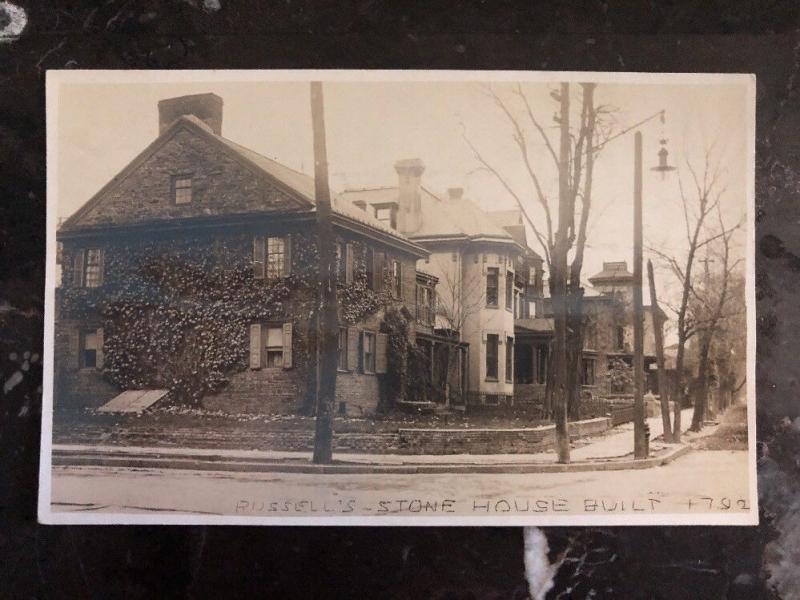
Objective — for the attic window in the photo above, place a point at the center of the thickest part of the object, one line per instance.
(386, 214)
(182, 189)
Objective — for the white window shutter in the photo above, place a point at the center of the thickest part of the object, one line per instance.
(381, 344)
(255, 346)
(77, 274)
(287, 345)
(258, 256)
(352, 348)
(99, 351)
(348, 265)
(287, 257)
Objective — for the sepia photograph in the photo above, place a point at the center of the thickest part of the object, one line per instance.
(399, 297)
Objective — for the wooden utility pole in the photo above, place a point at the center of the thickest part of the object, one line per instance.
(639, 434)
(558, 290)
(327, 313)
(658, 332)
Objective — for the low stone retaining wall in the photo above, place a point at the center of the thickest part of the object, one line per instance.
(402, 441)
(493, 441)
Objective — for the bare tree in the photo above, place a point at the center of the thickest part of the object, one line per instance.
(697, 208)
(708, 311)
(563, 240)
(459, 297)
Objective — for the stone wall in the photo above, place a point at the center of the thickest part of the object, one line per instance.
(221, 184)
(283, 392)
(357, 394)
(84, 388)
(493, 441)
(263, 391)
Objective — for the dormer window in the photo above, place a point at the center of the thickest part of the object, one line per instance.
(386, 214)
(182, 189)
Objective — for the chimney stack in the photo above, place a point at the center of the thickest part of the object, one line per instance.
(409, 217)
(206, 107)
(455, 193)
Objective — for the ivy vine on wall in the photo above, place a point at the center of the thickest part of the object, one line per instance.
(176, 313)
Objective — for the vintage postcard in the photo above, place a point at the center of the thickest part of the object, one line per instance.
(399, 297)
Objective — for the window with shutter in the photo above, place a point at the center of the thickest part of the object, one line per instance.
(381, 347)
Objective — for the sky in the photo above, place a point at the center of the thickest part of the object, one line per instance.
(370, 125)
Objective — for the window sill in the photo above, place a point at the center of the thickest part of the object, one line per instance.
(492, 379)
(494, 306)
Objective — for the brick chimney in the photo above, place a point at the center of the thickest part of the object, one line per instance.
(206, 107)
(455, 193)
(409, 213)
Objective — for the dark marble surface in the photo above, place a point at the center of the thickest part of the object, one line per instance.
(177, 562)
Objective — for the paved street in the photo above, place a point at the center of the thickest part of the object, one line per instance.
(677, 487)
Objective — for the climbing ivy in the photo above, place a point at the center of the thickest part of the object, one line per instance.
(176, 314)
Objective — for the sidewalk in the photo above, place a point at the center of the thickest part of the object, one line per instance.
(611, 451)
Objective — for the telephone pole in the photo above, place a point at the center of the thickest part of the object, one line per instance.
(327, 311)
(639, 433)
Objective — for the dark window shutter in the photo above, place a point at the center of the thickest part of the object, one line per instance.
(381, 344)
(72, 340)
(348, 265)
(287, 257)
(287, 345)
(258, 257)
(352, 348)
(99, 352)
(255, 346)
(77, 274)
(101, 267)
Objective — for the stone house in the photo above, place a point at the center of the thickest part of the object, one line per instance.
(192, 271)
(487, 279)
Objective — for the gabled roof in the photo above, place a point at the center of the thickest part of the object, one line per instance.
(299, 185)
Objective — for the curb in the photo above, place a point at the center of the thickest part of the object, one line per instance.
(121, 459)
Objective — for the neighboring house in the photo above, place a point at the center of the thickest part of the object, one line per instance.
(486, 278)
(609, 332)
(201, 231)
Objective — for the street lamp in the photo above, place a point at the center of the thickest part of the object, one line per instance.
(640, 444)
